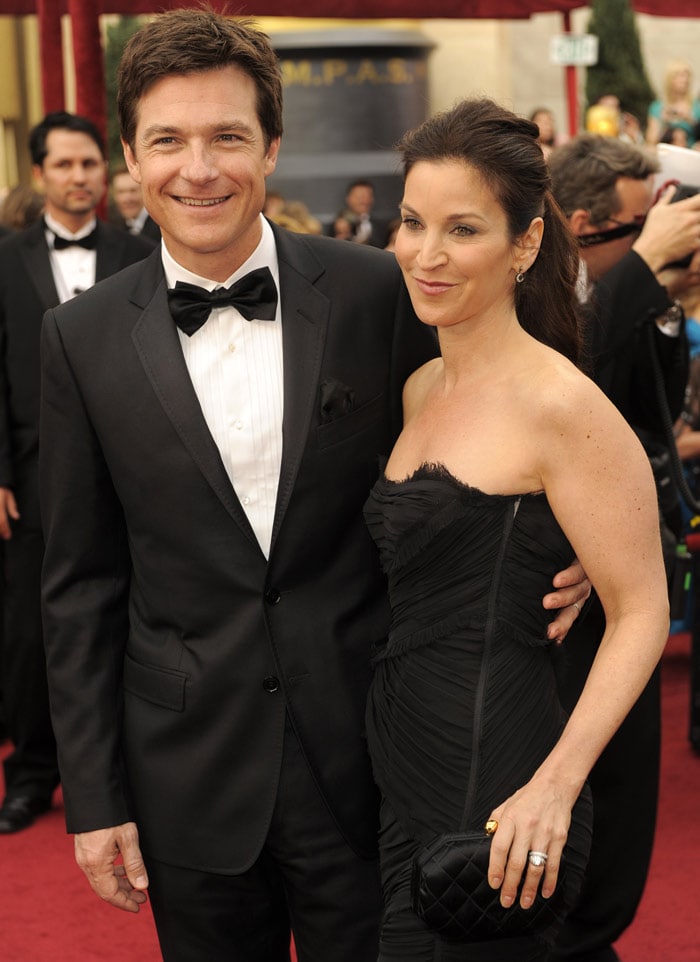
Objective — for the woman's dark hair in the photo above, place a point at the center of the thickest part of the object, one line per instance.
(503, 148)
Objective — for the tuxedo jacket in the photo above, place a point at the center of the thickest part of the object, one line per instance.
(27, 290)
(620, 314)
(175, 648)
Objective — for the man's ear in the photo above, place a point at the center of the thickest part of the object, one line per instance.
(271, 156)
(38, 175)
(580, 223)
(131, 161)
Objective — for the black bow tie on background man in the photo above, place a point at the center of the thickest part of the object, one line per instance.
(253, 296)
(89, 242)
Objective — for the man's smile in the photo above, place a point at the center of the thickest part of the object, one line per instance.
(202, 201)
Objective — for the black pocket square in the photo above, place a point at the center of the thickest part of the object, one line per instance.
(336, 400)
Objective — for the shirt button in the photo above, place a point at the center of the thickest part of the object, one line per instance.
(272, 596)
(271, 684)
(231, 348)
(245, 500)
(238, 425)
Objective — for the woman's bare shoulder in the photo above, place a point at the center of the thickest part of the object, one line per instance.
(559, 389)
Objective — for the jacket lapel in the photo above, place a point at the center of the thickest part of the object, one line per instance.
(305, 314)
(35, 254)
(157, 343)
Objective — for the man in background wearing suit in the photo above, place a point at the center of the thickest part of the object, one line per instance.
(357, 211)
(43, 265)
(212, 597)
(130, 212)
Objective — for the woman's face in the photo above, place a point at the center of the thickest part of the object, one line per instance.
(680, 81)
(454, 247)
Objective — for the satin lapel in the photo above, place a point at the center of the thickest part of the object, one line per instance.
(158, 346)
(304, 323)
(35, 254)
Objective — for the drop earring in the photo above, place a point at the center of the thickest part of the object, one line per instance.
(519, 277)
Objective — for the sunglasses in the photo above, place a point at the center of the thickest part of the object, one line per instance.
(623, 229)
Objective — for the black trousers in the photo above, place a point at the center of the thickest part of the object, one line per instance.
(31, 769)
(625, 787)
(307, 881)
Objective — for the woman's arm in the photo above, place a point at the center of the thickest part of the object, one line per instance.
(600, 487)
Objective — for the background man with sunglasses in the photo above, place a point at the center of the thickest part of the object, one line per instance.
(606, 189)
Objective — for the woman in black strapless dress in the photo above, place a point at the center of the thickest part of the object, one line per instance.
(510, 462)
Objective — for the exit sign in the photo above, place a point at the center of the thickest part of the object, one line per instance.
(574, 50)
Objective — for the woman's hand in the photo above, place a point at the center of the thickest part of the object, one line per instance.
(535, 819)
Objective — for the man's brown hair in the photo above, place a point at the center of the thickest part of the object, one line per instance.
(586, 169)
(182, 42)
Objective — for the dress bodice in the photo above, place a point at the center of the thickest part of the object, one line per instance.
(450, 552)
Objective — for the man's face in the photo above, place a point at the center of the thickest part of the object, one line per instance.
(127, 195)
(360, 199)
(200, 157)
(72, 177)
(635, 200)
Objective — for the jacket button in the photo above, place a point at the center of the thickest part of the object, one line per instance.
(271, 684)
(272, 596)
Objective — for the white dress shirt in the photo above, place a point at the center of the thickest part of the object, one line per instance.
(73, 268)
(668, 323)
(236, 369)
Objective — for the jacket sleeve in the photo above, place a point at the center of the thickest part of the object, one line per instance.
(84, 597)
(621, 317)
(6, 474)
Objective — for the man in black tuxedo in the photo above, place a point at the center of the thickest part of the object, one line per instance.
(605, 187)
(212, 597)
(358, 212)
(40, 267)
(129, 210)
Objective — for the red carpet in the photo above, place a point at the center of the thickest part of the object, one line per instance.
(666, 927)
(48, 913)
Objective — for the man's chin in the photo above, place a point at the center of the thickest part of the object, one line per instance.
(86, 207)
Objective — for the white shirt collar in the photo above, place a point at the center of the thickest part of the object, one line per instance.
(55, 228)
(583, 285)
(139, 220)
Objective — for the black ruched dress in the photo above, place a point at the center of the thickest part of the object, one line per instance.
(447, 726)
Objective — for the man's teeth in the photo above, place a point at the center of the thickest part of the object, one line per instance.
(204, 202)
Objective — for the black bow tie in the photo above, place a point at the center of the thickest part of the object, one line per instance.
(253, 296)
(89, 242)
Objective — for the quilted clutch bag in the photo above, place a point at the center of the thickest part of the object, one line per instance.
(451, 893)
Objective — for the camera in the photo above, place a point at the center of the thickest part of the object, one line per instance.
(682, 191)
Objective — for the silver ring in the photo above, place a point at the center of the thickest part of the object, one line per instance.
(575, 605)
(537, 859)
